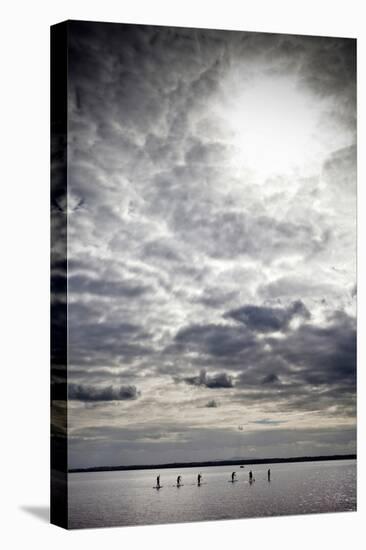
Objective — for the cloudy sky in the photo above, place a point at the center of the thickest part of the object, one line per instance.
(211, 272)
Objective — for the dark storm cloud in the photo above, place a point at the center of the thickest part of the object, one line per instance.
(270, 379)
(211, 404)
(268, 319)
(78, 392)
(220, 380)
(323, 355)
(214, 340)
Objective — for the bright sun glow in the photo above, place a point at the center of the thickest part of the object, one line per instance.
(273, 125)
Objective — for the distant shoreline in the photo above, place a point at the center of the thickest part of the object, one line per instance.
(209, 463)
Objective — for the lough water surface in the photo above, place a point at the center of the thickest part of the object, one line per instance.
(105, 499)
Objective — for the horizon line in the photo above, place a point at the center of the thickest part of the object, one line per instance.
(208, 463)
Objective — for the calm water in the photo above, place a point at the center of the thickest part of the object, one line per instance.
(127, 498)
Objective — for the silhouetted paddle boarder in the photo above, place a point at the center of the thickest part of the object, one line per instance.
(269, 475)
(199, 477)
(179, 479)
(233, 475)
(250, 476)
(158, 482)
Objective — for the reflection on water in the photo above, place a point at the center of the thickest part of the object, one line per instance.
(104, 499)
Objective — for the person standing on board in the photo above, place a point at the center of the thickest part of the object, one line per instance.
(269, 475)
(158, 481)
(179, 478)
(250, 476)
(233, 476)
(199, 477)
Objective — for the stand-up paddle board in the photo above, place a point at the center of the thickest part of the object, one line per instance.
(156, 487)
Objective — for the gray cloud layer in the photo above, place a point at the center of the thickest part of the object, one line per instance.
(269, 319)
(221, 380)
(200, 252)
